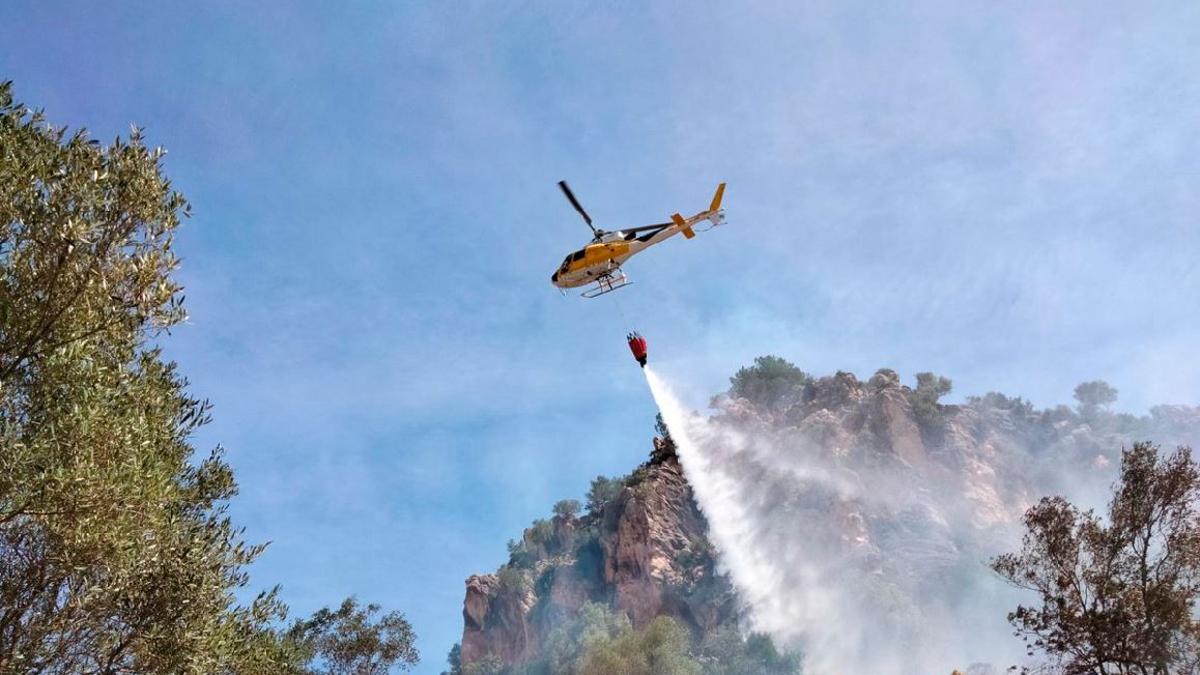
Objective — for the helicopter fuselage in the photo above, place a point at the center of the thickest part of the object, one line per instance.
(600, 261)
(603, 257)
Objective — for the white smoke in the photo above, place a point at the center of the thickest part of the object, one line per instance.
(863, 571)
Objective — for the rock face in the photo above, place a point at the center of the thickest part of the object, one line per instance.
(644, 553)
(654, 546)
(494, 620)
(874, 499)
(1000, 452)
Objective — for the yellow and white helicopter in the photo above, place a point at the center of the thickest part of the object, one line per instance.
(600, 261)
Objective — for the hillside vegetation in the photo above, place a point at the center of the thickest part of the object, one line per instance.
(916, 495)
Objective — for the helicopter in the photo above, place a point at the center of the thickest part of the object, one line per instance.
(598, 264)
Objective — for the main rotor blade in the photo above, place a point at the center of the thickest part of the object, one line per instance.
(575, 202)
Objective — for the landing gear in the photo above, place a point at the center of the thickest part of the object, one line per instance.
(607, 283)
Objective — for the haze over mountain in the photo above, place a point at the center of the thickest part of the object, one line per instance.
(851, 521)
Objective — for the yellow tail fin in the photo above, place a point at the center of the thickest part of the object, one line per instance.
(683, 226)
(716, 202)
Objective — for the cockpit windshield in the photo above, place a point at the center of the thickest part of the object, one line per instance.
(577, 255)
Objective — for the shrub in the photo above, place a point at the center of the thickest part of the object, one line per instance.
(771, 382)
(660, 428)
(540, 534)
(489, 665)
(513, 579)
(1094, 398)
(567, 508)
(603, 491)
(567, 642)
(660, 649)
(924, 399)
(994, 400)
(726, 652)
(519, 554)
(1095, 393)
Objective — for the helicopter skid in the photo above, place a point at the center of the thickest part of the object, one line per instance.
(607, 284)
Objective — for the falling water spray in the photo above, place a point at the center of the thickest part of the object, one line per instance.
(789, 531)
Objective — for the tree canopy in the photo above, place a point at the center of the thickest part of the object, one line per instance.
(600, 641)
(350, 641)
(924, 399)
(116, 553)
(1116, 595)
(1094, 396)
(771, 382)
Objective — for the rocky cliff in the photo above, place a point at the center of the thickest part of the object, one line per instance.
(907, 493)
(644, 552)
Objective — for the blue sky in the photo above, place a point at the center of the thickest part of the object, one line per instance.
(1003, 193)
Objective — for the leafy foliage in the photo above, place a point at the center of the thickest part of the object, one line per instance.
(567, 508)
(349, 641)
(660, 428)
(1095, 393)
(599, 640)
(725, 652)
(603, 491)
(519, 555)
(771, 382)
(489, 665)
(924, 399)
(540, 533)
(1116, 597)
(567, 643)
(116, 553)
(1094, 397)
(513, 579)
(660, 649)
(994, 400)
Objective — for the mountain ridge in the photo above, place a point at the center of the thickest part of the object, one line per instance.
(909, 493)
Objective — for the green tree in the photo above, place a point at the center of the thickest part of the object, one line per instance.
(351, 641)
(539, 537)
(116, 553)
(726, 652)
(567, 508)
(660, 428)
(514, 580)
(771, 382)
(1116, 597)
(924, 399)
(567, 643)
(660, 649)
(664, 445)
(489, 665)
(1094, 397)
(994, 400)
(603, 491)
